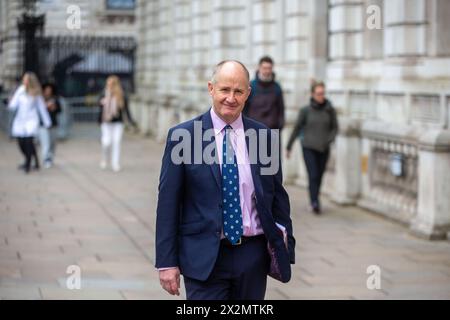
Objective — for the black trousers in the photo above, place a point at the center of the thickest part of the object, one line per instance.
(316, 163)
(26, 145)
(240, 273)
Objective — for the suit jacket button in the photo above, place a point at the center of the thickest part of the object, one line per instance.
(220, 206)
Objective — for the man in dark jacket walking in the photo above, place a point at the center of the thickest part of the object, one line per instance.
(265, 103)
(317, 127)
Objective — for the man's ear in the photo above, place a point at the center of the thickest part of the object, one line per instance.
(210, 88)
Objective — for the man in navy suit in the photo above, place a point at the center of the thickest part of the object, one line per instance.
(217, 216)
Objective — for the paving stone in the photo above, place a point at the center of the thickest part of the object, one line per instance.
(77, 214)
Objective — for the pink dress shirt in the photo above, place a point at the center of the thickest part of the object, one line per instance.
(250, 219)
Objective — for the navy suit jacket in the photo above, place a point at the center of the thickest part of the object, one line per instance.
(189, 211)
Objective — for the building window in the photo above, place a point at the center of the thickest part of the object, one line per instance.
(120, 4)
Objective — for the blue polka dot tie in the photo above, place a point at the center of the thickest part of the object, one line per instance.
(232, 214)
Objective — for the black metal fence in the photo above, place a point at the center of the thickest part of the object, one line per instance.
(79, 65)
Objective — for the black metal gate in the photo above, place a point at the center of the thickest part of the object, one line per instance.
(80, 65)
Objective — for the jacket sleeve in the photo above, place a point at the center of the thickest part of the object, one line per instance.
(298, 126)
(334, 127)
(100, 109)
(168, 210)
(43, 113)
(281, 211)
(281, 119)
(14, 102)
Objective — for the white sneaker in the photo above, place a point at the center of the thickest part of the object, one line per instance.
(103, 165)
(116, 168)
(47, 164)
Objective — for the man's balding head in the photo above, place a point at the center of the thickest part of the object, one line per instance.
(229, 88)
(229, 64)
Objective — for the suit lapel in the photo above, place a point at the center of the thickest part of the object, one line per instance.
(265, 214)
(253, 166)
(215, 169)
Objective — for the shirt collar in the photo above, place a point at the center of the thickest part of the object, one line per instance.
(219, 124)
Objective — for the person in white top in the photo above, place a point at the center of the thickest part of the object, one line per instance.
(30, 109)
(113, 110)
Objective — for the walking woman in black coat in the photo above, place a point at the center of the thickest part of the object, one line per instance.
(316, 127)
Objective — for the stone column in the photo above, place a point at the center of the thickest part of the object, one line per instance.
(10, 56)
(318, 49)
(433, 216)
(145, 112)
(373, 31)
(346, 30)
(405, 26)
(348, 162)
(228, 24)
(145, 76)
(438, 40)
(264, 26)
(303, 33)
(166, 116)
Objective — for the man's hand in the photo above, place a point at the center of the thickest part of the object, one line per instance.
(170, 280)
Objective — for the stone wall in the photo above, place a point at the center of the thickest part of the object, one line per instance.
(390, 85)
(393, 84)
(10, 57)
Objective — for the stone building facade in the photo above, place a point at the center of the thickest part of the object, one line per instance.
(387, 69)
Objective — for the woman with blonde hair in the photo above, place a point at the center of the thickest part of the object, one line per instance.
(30, 109)
(113, 106)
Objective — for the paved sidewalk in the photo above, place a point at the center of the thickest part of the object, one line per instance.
(76, 214)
